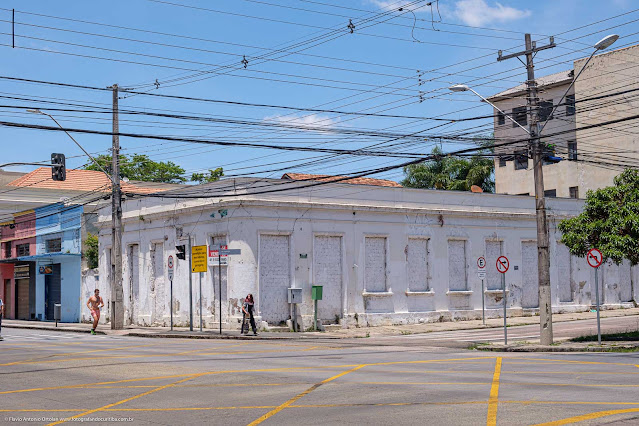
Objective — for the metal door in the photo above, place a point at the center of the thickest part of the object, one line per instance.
(275, 277)
(52, 291)
(22, 296)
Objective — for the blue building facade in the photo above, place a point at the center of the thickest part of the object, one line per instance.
(58, 261)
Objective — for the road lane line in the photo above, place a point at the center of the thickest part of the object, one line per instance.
(193, 376)
(590, 416)
(301, 395)
(493, 401)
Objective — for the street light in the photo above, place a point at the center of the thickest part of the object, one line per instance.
(37, 111)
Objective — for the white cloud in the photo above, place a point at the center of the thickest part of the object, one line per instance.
(478, 12)
(389, 4)
(313, 122)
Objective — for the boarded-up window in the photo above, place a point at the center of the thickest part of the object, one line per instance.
(494, 249)
(375, 253)
(327, 272)
(417, 258)
(157, 259)
(134, 281)
(564, 273)
(529, 275)
(275, 276)
(220, 240)
(457, 276)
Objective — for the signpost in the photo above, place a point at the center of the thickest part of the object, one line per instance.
(595, 259)
(502, 266)
(169, 264)
(222, 251)
(198, 264)
(481, 273)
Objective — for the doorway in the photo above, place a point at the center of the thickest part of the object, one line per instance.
(52, 291)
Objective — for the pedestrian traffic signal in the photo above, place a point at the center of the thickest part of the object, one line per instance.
(181, 252)
(58, 167)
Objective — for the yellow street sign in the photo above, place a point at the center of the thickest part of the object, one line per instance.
(199, 256)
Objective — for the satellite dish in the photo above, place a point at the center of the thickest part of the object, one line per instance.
(476, 188)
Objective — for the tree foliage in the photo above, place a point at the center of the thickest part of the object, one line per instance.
(141, 167)
(91, 250)
(211, 176)
(609, 221)
(451, 173)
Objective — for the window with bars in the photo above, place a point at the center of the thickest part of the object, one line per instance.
(520, 115)
(22, 250)
(7, 249)
(574, 191)
(545, 109)
(572, 151)
(501, 119)
(570, 105)
(550, 193)
(521, 160)
(54, 245)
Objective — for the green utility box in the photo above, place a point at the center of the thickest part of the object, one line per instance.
(316, 292)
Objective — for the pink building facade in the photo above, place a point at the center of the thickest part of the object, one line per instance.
(17, 276)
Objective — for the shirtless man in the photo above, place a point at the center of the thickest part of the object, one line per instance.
(94, 303)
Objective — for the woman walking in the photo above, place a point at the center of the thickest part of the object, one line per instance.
(247, 310)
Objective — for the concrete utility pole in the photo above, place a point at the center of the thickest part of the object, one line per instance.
(117, 294)
(536, 149)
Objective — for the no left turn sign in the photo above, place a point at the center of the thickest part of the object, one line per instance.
(502, 264)
(594, 258)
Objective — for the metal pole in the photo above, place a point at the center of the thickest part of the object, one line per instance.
(597, 300)
(171, 307)
(219, 274)
(483, 304)
(503, 286)
(190, 286)
(315, 315)
(117, 293)
(200, 302)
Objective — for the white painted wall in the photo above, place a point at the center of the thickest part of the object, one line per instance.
(292, 240)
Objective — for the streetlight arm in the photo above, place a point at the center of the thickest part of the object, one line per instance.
(572, 83)
(80, 146)
(505, 115)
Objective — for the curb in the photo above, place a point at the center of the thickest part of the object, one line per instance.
(63, 329)
(230, 337)
(559, 349)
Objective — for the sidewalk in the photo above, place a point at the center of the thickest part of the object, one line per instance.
(345, 333)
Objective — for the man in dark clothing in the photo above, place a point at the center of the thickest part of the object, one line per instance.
(247, 310)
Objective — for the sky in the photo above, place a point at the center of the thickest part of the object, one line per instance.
(299, 54)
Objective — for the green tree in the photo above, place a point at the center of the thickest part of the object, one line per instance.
(141, 167)
(452, 173)
(211, 176)
(609, 221)
(91, 250)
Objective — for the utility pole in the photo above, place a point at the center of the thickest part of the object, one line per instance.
(536, 149)
(117, 294)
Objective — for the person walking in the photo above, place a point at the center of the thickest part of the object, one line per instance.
(94, 304)
(1, 314)
(247, 310)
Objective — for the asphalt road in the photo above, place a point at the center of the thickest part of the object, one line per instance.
(45, 376)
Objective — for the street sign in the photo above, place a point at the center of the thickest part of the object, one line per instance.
(169, 264)
(594, 258)
(230, 252)
(481, 263)
(481, 274)
(502, 264)
(198, 258)
(214, 253)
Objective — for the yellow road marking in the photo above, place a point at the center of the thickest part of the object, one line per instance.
(422, 383)
(298, 396)
(590, 416)
(493, 401)
(73, 353)
(124, 400)
(535, 401)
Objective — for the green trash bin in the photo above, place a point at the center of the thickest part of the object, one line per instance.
(316, 292)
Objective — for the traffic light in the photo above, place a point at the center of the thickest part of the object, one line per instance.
(58, 167)
(181, 252)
